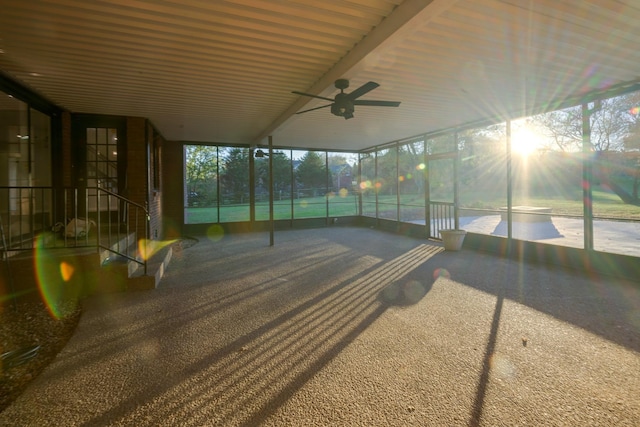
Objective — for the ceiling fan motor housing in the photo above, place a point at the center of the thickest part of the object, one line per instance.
(342, 106)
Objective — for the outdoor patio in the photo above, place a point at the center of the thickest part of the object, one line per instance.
(348, 326)
(609, 236)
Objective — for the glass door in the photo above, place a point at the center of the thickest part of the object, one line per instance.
(441, 194)
(100, 164)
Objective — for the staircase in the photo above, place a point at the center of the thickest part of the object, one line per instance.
(42, 262)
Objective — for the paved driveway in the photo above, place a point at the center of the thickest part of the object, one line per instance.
(609, 236)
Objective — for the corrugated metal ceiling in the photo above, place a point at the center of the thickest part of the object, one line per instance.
(223, 71)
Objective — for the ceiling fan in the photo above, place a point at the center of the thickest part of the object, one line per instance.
(343, 104)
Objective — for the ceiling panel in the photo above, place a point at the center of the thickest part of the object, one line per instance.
(223, 71)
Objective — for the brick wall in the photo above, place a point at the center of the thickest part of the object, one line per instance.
(137, 169)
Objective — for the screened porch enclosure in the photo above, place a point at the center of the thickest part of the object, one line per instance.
(569, 177)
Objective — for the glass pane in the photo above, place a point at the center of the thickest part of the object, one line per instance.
(445, 143)
(368, 184)
(282, 179)
(343, 197)
(14, 165)
(234, 184)
(41, 154)
(91, 136)
(112, 138)
(112, 153)
(101, 136)
(18, 141)
(310, 185)
(201, 184)
(387, 180)
(411, 178)
(546, 158)
(615, 141)
(262, 190)
(483, 179)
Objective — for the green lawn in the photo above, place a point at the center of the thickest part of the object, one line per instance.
(605, 204)
(313, 207)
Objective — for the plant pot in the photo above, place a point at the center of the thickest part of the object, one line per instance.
(452, 239)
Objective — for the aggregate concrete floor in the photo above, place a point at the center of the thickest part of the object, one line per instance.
(348, 327)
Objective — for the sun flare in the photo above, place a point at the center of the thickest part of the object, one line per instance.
(525, 141)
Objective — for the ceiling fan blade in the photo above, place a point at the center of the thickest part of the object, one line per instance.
(313, 96)
(377, 103)
(311, 109)
(367, 87)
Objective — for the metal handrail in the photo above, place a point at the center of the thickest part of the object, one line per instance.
(38, 216)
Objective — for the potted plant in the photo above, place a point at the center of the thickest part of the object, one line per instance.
(452, 239)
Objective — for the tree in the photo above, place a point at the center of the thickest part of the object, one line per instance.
(201, 172)
(632, 144)
(281, 173)
(563, 128)
(387, 175)
(235, 174)
(312, 171)
(411, 166)
(612, 124)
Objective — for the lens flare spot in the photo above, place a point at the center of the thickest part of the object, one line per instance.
(147, 248)
(344, 192)
(441, 272)
(635, 110)
(401, 178)
(413, 291)
(215, 232)
(378, 185)
(66, 271)
(502, 367)
(421, 167)
(60, 283)
(304, 204)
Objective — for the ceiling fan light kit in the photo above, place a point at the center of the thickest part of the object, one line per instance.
(343, 105)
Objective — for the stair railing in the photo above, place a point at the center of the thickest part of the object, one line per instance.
(50, 218)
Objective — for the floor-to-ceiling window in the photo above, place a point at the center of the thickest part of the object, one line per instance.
(343, 184)
(25, 167)
(283, 181)
(387, 183)
(368, 184)
(218, 185)
(412, 170)
(201, 184)
(234, 184)
(614, 142)
(311, 184)
(546, 158)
